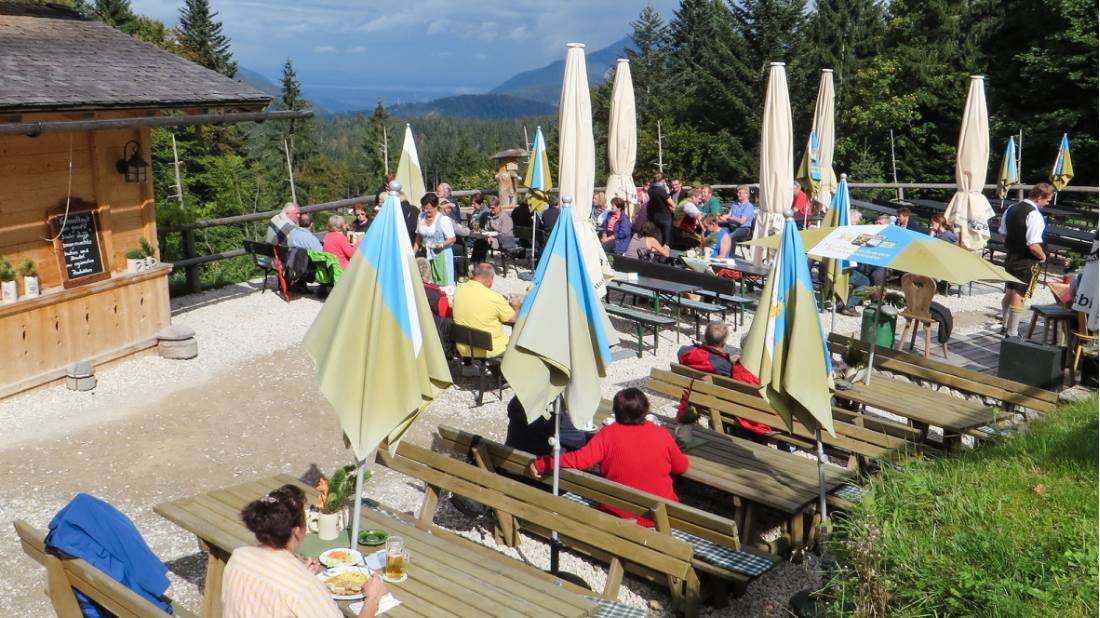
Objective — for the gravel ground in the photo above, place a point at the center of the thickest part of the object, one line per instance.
(155, 430)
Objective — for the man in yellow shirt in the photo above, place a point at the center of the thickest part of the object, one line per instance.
(476, 305)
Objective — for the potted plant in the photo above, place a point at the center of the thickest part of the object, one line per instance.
(150, 255)
(8, 292)
(685, 421)
(29, 270)
(135, 260)
(336, 492)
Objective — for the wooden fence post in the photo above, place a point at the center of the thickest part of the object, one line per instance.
(194, 283)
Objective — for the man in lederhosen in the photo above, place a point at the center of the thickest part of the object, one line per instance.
(1023, 225)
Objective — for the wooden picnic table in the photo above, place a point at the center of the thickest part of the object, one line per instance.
(756, 475)
(921, 405)
(446, 576)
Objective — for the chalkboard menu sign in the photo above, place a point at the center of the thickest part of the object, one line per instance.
(77, 245)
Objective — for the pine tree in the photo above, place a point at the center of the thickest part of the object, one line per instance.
(379, 134)
(772, 30)
(115, 13)
(201, 38)
(715, 116)
(649, 71)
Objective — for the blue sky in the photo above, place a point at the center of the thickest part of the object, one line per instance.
(423, 47)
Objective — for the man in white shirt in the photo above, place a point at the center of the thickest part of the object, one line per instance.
(1023, 226)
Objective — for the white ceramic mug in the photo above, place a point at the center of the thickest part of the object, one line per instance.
(327, 525)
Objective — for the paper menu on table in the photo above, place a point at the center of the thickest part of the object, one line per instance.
(385, 604)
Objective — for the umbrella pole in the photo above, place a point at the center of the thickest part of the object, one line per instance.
(821, 486)
(874, 336)
(554, 541)
(357, 508)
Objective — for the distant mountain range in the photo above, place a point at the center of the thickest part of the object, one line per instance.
(530, 93)
(479, 106)
(544, 83)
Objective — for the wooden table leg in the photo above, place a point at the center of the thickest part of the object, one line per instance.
(1031, 327)
(215, 568)
(796, 525)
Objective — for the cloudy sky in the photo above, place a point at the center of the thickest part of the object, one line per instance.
(423, 46)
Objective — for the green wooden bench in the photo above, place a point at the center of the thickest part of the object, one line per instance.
(622, 545)
(63, 576)
(643, 321)
(723, 402)
(1007, 392)
(715, 539)
(733, 301)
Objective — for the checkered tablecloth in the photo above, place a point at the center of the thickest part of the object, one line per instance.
(708, 551)
(725, 557)
(611, 609)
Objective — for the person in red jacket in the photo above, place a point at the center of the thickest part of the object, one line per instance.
(711, 357)
(631, 451)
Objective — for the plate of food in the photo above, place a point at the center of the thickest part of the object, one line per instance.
(341, 556)
(345, 583)
(373, 538)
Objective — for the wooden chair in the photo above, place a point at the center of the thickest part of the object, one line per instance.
(1082, 336)
(479, 341)
(919, 291)
(63, 576)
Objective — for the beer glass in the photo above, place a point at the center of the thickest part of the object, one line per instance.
(397, 560)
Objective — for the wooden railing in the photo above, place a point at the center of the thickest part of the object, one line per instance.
(192, 261)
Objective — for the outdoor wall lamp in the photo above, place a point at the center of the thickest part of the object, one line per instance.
(134, 168)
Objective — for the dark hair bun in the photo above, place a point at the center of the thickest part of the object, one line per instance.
(273, 518)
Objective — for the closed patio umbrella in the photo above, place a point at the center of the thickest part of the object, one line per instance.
(969, 211)
(408, 172)
(577, 162)
(622, 136)
(819, 149)
(776, 159)
(374, 342)
(559, 350)
(785, 347)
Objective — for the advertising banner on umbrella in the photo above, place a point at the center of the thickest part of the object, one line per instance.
(1085, 301)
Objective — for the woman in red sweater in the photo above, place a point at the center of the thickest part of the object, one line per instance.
(336, 240)
(631, 451)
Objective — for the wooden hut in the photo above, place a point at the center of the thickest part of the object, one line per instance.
(77, 102)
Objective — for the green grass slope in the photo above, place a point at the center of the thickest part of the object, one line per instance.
(1009, 529)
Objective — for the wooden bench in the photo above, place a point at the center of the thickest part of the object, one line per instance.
(62, 576)
(724, 400)
(718, 550)
(643, 320)
(968, 381)
(620, 544)
(706, 283)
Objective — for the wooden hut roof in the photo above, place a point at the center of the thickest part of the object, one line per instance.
(52, 59)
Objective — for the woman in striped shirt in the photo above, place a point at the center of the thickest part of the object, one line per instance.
(270, 581)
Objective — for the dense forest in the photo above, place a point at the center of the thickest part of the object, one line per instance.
(901, 66)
